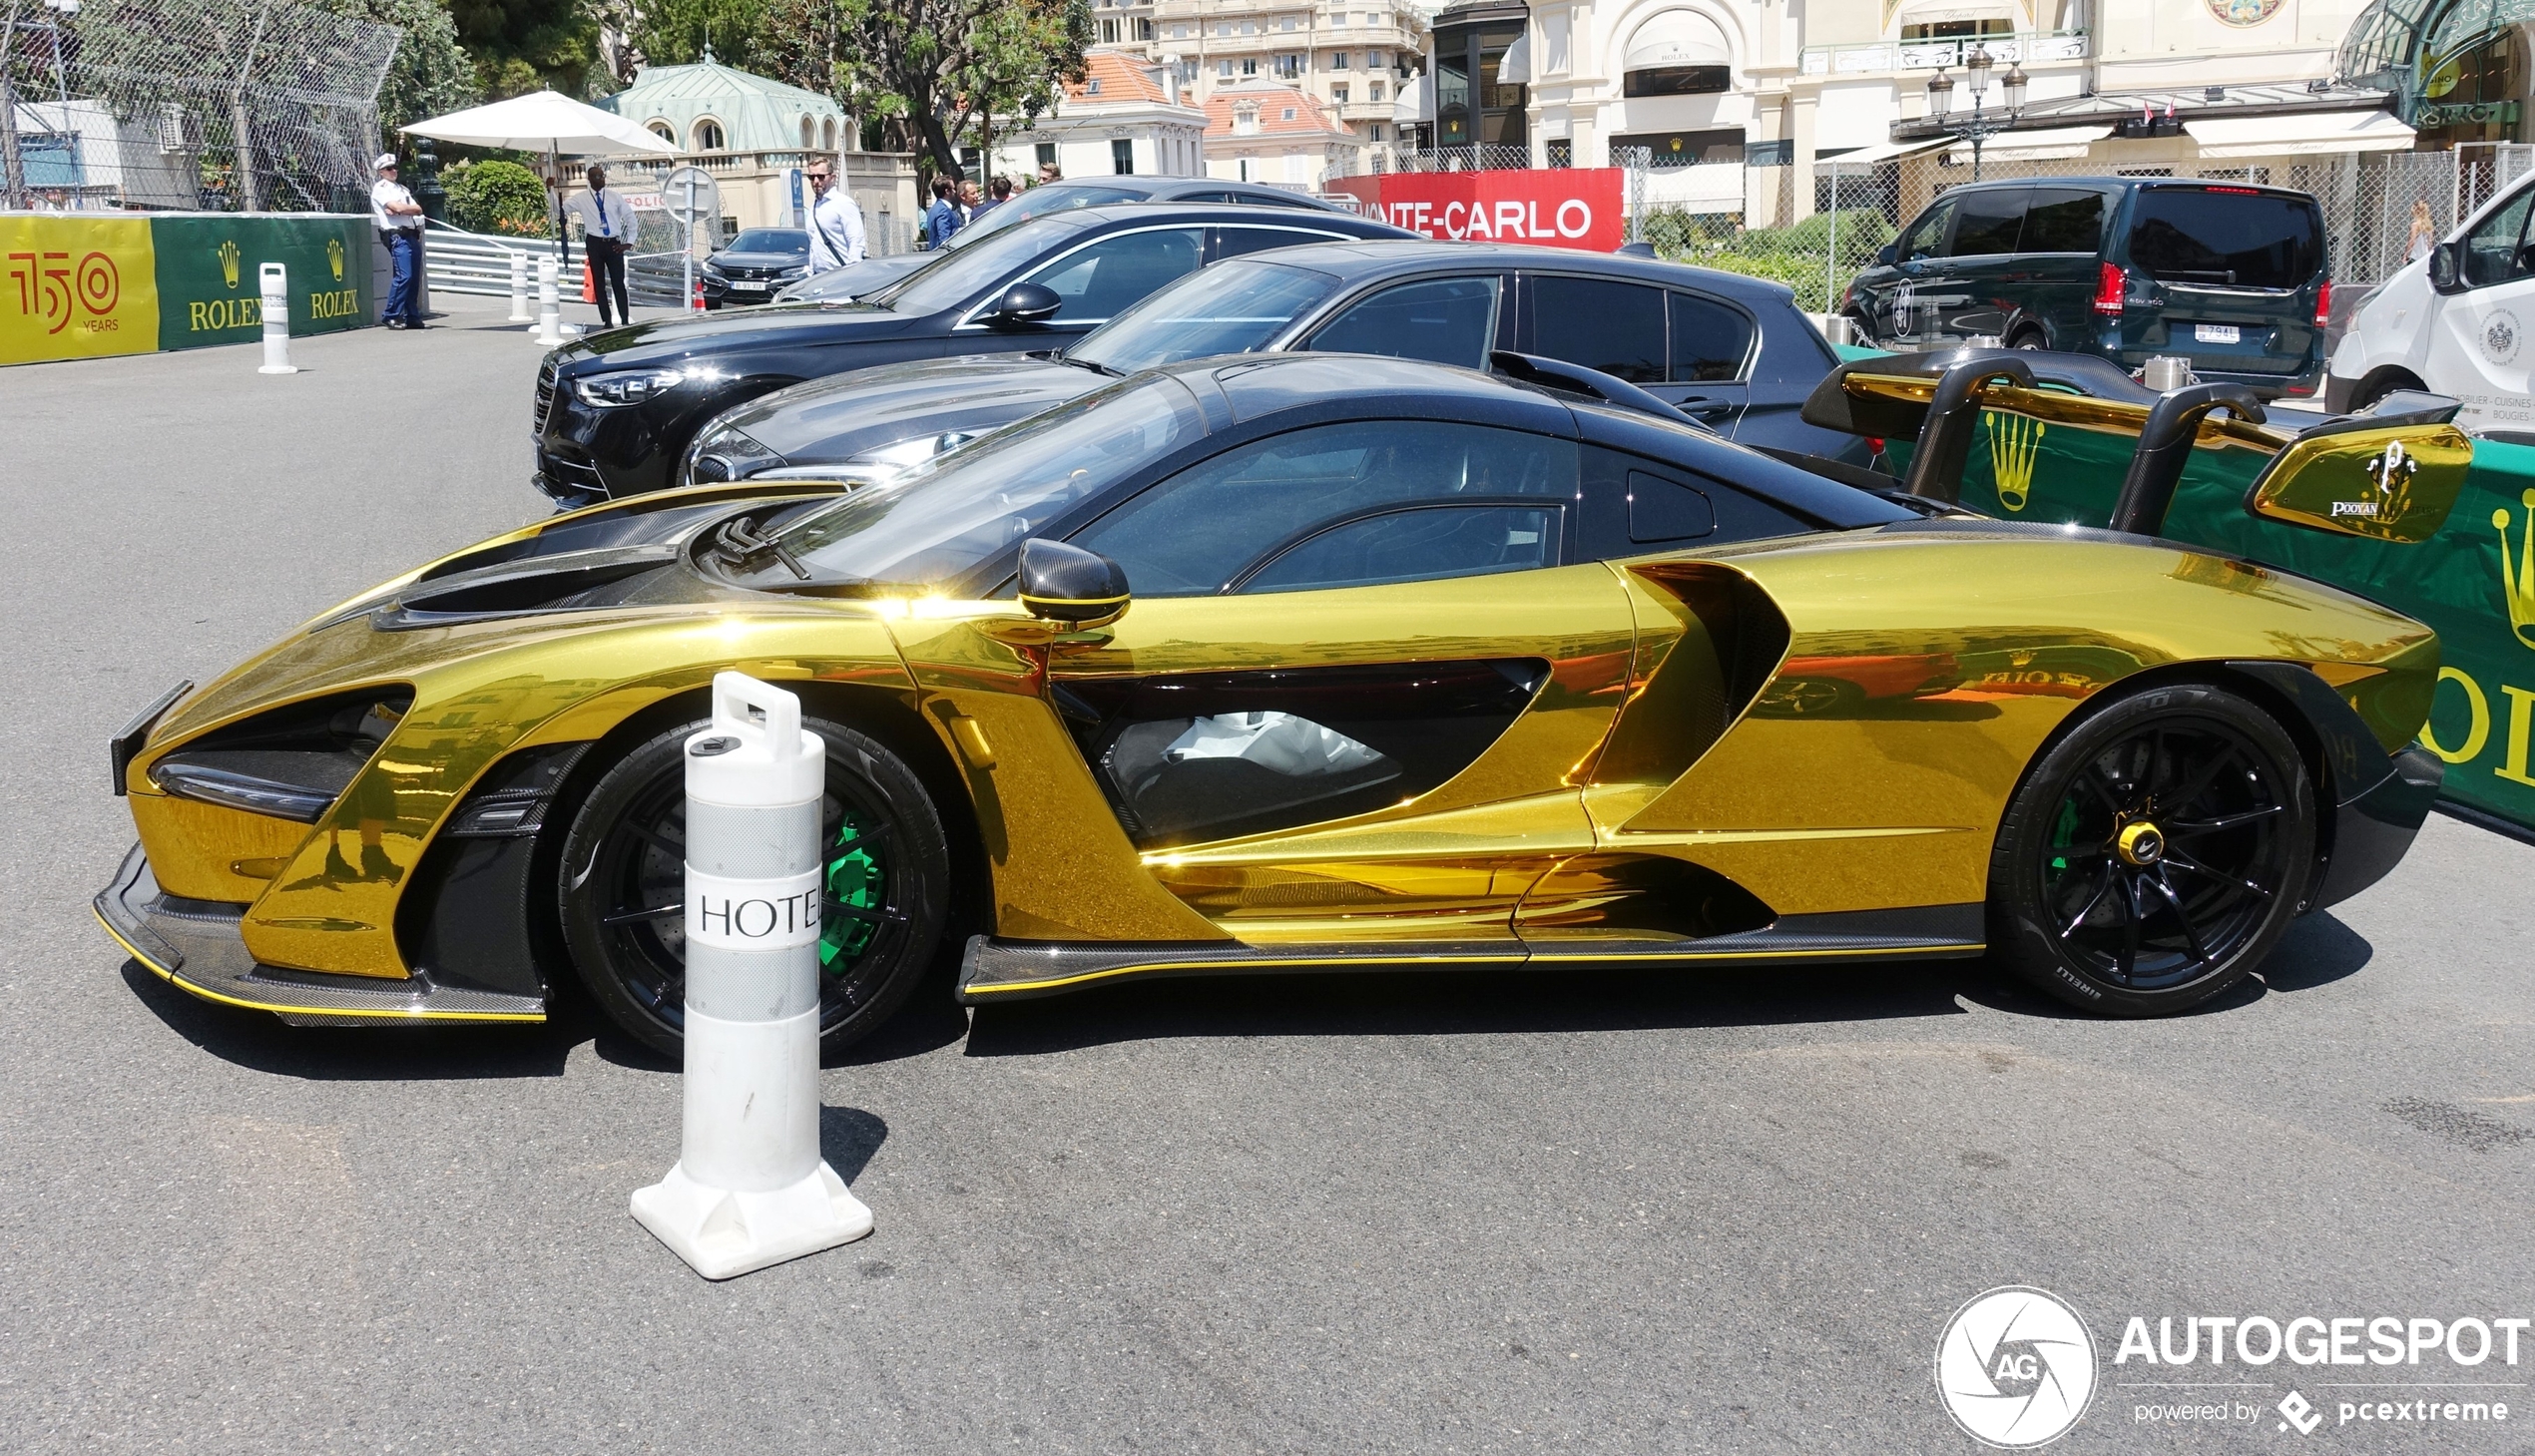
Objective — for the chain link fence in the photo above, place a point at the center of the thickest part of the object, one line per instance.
(219, 105)
(1477, 157)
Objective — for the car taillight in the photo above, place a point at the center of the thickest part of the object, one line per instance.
(2323, 304)
(2109, 286)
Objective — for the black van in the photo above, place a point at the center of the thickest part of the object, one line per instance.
(2232, 278)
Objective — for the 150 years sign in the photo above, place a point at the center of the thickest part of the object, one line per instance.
(80, 285)
(75, 287)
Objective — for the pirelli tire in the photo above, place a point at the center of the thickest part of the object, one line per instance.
(2156, 854)
(887, 876)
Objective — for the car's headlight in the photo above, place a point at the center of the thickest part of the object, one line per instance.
(910, 452)
(794, 271)
(626, 386)
(727, 454)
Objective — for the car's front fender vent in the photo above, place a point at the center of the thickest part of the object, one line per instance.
(291, 762)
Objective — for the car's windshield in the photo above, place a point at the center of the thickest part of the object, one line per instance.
(771, 240)
(1229, 308)
(1037, 202)
(954, 278)
(944, 518)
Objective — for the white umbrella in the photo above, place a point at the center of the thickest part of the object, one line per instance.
(548, 122)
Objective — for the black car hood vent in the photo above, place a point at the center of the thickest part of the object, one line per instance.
(584, 581)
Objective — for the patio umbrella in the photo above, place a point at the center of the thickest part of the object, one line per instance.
(548, 122)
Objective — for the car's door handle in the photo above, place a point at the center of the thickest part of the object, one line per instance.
(1703, 405)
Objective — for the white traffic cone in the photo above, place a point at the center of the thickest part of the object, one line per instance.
(519, 289)
(549, 310)
(275, 283)
(749, 1188)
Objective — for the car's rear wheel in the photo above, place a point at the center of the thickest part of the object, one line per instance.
(2154, 856)
(2028, 338)
(623, 887)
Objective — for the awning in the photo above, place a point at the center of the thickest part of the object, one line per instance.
(1415, 101)
(1514, 68)
(2051, 144)
(1677, 38)
(2306, 133)
(1865, 157)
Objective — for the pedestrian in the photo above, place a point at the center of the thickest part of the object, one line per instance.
(943, 219)
(836, 221)
(606, 227)
(399, 220)
(1049, 173)
(969, 201)
(998, 193)
(2425, 232)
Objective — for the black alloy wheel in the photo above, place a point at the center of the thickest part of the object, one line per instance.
(2154, 856)
(2030, 338)
(623, 887)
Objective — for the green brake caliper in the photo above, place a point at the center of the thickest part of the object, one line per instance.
(2063, 833)
(855, 878)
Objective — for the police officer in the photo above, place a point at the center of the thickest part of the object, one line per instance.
(399, 220)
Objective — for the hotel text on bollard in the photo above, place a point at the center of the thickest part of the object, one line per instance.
(749, 1188)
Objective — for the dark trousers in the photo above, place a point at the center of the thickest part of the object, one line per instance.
(607, 271)
(404, 294)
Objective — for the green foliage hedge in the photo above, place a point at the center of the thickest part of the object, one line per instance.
(1797, 256)
(497, 197)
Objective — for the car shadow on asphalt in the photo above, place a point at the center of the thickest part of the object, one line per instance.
(261, 1042)
(2317, 951)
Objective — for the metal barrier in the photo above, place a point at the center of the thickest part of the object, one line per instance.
(459, 262)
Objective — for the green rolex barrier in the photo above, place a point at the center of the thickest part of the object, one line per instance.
(207, 272)
(2474, 582)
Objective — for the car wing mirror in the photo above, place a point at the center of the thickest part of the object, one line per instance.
(1884, 254)
(1070, 585)
(2382, 479)
(2446, 266)
(1026, 303)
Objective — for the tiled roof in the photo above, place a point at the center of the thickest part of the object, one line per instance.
(1283, 110)
(1120, 74)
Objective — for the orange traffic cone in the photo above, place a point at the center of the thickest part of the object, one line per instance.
(698, 303)
(589, 286)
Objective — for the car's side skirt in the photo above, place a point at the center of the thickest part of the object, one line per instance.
(994, 969)
(196, 947)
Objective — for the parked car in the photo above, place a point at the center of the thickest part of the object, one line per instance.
(757, 264)
(874, 273)
(2232, 278)
(1733, 351)
(615, 413)
(2454, 322)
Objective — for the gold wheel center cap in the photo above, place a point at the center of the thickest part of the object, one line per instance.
(2140, 844)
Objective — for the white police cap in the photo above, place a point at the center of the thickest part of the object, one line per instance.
(385, 161)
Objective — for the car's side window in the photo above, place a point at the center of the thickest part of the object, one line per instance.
(2491, 246)
(1634, 507)
(1988, 221)
(1231, 522)
(1442, 320)
(1926, 238)
(1601, 323)
(1709, 339)
(1234, 242)
(2063, 220)
(1101, 280)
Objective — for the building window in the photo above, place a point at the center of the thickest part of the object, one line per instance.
(827, 134)
(1373, 91)
(1338, 94)
(1224, 69)
(1246, 119)
(664, 130)
(1250, 67)
(1109, 32)
(1338, 20)
(1092, 87)
(1289, 24)
(1373, 60)
(1122, 156)
(1562, 152)
(1047, 153)
(1144, 29)
(1375, 131)
(1338, 60)
(706, 135)
(1954, 30)
(807, 132)
(1286, 115)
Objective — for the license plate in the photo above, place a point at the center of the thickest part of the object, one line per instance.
(746, 287)
(2216, 333)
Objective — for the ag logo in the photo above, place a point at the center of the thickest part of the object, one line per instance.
(2015, 1368)
(2500, 335)
(228, 255)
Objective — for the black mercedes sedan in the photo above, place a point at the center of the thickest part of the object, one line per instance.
(757, 264)
(1733, 351)
(615, 411)
(873, 274)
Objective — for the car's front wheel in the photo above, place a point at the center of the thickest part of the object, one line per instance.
(2154, 856)
(886, 872)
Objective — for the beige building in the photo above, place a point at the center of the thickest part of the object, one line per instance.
(1120, 118)
(1350, 55)
(1272, 131)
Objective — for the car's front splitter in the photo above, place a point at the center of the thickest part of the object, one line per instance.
(196, 946)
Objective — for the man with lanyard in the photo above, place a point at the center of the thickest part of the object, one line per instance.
(605, 224)
(835, 224)
(399, 220)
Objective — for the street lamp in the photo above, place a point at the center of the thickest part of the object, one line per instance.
(1977, 128)
(1940, 95)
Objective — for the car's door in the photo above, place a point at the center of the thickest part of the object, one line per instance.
(1708, 365)
(1097, 279)
(2052, 284)
(1454, 319)
(2477, 348)
(1919, 255)
(1360, 675)
(1616, 326)
(1980, 260)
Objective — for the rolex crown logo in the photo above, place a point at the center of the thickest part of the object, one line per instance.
(335, 257)
(2517, 577)
(2014, 441)
(228, 262)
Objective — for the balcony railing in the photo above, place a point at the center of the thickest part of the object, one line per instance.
(1878, 57)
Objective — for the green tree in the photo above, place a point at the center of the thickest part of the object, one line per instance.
(938, 67)
(432, 74)
(522, 45)
(675, 32)
(498, 197)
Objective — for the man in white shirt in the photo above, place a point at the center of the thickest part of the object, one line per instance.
(835, 224)
(399, 220)
(607, 230)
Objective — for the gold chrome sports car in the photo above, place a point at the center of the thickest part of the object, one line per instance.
(1422, 666)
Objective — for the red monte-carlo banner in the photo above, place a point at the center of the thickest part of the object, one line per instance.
(1556, 207)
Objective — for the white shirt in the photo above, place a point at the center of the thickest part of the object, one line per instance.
(835, 231)
(384, 192)
(602, 213)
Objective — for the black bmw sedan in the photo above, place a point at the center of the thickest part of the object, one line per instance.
(615, 411)
(1731, 350)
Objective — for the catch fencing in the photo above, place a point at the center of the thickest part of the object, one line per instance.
(197, 105)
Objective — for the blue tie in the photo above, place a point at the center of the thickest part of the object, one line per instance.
(604, 229)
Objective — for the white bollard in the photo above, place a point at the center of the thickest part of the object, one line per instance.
(549, 311)
(749, 1188)
(519, 289)
(276, 281)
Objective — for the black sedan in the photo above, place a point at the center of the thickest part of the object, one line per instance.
(873, 274)
(1727, 349)
(616, 411)
(758, 262)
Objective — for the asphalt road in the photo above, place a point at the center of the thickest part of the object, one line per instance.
(1591, 1212)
